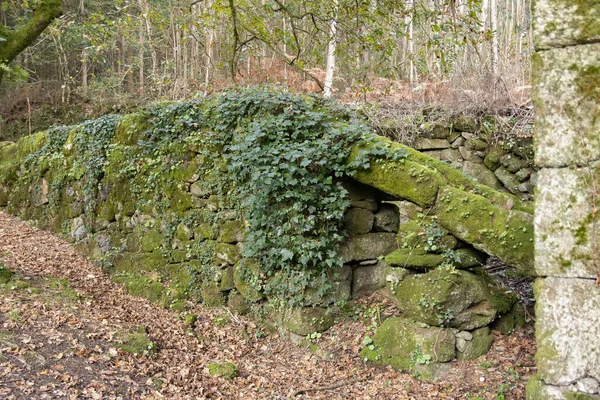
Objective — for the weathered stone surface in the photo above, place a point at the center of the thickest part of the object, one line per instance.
(370, 205)
(460, 299)
(481, 174)
(368, 279)
(465, 123)
(225, 370)
(232, 232)
(387, 218)
(508, 180)
(469, 155)
(398, 342)
(560, 23)
(369, 246)
(479, 345)
(358, 221)
(567, 329)
(475, 144)
(507, 234)
(566, 97)
(306, 320)
(451, 155)
(200, 189)
(506, 323)
(238, 304)
(227, 253)
(565, 233)
(523, 174)
(431, 144)
(538, 390)
(245, 278)
(515, 163)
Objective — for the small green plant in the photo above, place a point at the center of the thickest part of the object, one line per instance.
(368, 341)
(418, 358)
(313, 337)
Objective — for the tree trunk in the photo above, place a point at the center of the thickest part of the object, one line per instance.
(19, 40)
(494, 27)
(328, 89)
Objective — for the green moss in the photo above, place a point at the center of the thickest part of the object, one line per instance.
(238, 304)
(413, 258)
(225, 370)
(131, 128)
(142, 286)
(246, 279)
(402, 344)
(507, 234)
(190, 320)
(306, 320)
(139, 343)
(232, 232)
(405, 179)
(212, 296)
(6, 275)
(227, 253)
(152, 240)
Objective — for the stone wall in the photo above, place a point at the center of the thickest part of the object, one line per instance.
(163, 228)
(471, 146)
(566, 71)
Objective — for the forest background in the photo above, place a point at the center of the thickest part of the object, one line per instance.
(113, 56)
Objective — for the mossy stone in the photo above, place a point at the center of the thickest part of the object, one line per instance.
(227, 281)
(212, 296)
(232, 232)
(130, 129)
(138, 343)
(245, 277)
(504, 233)
(399, 342)
(183, 232)
(306, 320)
(368, 247)
(143, 286)
(152, 240)
(464, 123)
(479, 345)
(204, 231)
(238, 304)
(458, 299)
(227, 253)
(225, 370)
(358, 221)
(475, 144)
(190, 320)
(492, 158)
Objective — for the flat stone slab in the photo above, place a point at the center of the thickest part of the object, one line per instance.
(566, 95)
(567, 330)
(564, 231)
(564, 23)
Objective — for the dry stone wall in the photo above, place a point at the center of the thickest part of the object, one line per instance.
(158, 222)
(566, 71)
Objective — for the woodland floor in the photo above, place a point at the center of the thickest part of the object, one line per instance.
(60, 334)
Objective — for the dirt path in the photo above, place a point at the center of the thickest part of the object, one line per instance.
(63, 323)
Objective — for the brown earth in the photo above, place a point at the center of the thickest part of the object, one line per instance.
(63, 323)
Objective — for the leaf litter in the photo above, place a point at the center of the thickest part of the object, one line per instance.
(64, 324)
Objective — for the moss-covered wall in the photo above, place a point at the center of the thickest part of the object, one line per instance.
(566, 74)
(153, 209)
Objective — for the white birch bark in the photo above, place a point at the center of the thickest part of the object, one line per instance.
(328, 87)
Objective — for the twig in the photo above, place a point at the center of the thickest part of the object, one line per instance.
(320, 388)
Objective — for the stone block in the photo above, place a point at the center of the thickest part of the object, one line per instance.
(567, 329)
(387, 218)
(561, 23)
(461, 300)
(431, 144)
(509, 181)
(368, 279)
(358, 221)
(481, 174)
(368, 247)
(400, 342)
(564, 226)
(566, 95)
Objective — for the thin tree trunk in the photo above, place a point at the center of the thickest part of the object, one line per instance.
(330, 68)
(494, 27)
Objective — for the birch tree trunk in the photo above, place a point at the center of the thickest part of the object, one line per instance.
(328, 88)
